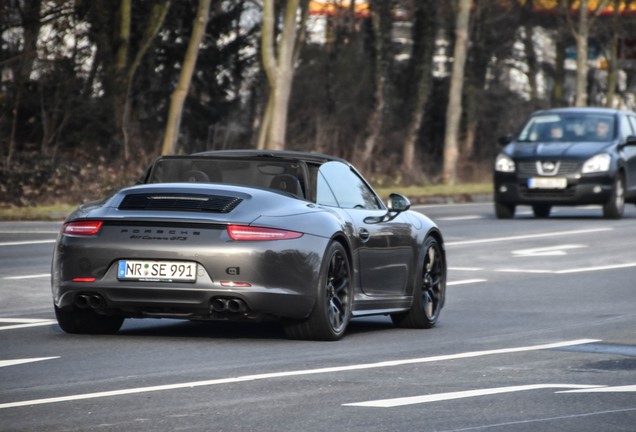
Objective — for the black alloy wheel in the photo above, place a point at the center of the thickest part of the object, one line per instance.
(428, 298)
(86, 321)
(615, 207)
(332, 310)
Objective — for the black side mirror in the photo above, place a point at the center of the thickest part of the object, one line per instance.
(505, 140)
(398, 203)
(631, 140)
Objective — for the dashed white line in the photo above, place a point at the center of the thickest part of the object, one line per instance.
(459, 218)
(466, 281)
(412, 400)
(18, 323)
(284, 374)
(30, 242)
(4, 363)
(525, 237)
(34, 276)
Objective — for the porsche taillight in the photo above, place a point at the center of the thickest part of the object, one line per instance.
(250, 233)
(82, 228)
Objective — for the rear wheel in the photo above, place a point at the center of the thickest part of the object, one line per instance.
(86, 321)
(504, 211)
(334, 299)
(541, 210)
(428, 297)
(615, 207)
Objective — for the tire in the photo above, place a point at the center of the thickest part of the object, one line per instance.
(428, 296)
(504, 211)
(541, 210)
(615, 207)
(86, 321)
(330, 316)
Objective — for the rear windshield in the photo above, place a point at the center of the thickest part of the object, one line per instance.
(279, 174)
(582, 127)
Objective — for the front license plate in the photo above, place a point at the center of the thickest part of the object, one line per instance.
(547, 183)
(157, 271)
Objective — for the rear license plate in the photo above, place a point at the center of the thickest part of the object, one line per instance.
(157, 271)
(547, 183)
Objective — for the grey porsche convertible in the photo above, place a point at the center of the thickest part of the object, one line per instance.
(300, 238)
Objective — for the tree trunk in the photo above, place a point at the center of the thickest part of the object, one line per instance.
(581, 37)
(382, 24)
(185, 77)
(612, 66)
(279, 64)
(454, 110)
(31, 24)
(426, 18)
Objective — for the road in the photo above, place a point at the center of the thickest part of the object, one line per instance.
(538, 333)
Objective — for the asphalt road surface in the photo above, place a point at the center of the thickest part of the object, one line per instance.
(538, 334)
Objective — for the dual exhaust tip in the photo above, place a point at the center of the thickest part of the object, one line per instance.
(233, 305)
(92, 301)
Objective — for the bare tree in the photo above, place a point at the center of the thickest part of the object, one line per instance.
(581, 32)
(382, 23)
(185, 77)
(454, 110)
(424, 33)
(279, 60)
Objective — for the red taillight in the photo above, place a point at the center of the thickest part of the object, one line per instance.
(241, 232)
(82, 228)
(83, 279)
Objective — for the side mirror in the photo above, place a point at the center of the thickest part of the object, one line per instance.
(398, 203)
(505, 140)
(631, 140)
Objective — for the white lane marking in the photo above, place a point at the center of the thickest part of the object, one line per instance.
(4, 363)
(466, 281)
(459, 218)
(29, 232)
(412, 400)
(33, 242)
(613, 389)
(285, 374)
(19, 323)
(546, 251)
(41, 275)
(525, 237)
(599, 268)
(568, 271)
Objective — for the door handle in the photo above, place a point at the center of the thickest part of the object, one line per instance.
(363, 233)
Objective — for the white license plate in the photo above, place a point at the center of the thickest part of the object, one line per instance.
(547, 183)
(157, 271)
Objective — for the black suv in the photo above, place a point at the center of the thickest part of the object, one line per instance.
(568, 156)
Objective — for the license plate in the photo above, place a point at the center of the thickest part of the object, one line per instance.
(157, 271)
(547, 183)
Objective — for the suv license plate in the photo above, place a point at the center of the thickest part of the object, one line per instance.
(547, 183)
(157, 271)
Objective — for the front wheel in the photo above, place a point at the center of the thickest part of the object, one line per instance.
(428, 296)
(615, 207)
(85, 321)
(504, 211)
(334, 299)
(541, 210)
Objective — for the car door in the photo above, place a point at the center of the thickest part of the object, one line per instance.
(383, 249)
